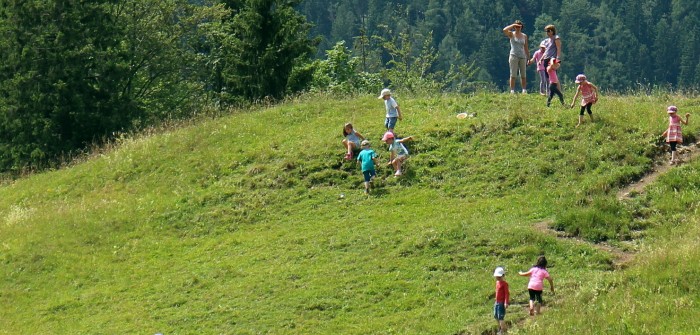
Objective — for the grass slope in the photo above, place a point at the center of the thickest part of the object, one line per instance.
(235, 225)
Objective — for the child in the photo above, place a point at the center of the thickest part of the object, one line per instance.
(554, 81)
(537, 275)
(589, 96)
(367, 158)
(351, 140)
(536, 57)
(398, 151)
(502, 299)
(393, 112)
(673, 134)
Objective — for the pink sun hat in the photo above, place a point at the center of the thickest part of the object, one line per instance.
(671, 109)
(387, 136)
(580, 78)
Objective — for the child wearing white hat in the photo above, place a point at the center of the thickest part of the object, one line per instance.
(502, 299)
(393, 112)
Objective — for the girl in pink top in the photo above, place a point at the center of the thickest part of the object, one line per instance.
(536, 57)
(589, 96)
(673, 133)
(537, 274)
(554, 82)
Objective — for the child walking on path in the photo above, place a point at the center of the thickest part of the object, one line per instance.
(351, 140)
(398, 152)
(536, 57)
(554, 82)
(589, 96)
(537, 275)
(368, 159)
(393, 112)
(502, 299)
(673, 133)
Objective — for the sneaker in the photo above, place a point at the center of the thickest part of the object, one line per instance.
(398, 173)
(348, 157)
(524, 91)
(512, 91)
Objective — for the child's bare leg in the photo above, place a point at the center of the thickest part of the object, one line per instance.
(537, 308)
(580, 120)
(366, 187)
(673, 156)
(502, 325)
(348, 145)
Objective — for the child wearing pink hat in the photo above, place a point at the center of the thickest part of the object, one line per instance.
(673, 133)
(589, 96)
(398, 152)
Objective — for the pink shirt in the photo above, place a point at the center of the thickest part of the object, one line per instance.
(553, 79)
(537, 276)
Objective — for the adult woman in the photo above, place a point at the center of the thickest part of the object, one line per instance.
(552, 47)
(518, 54)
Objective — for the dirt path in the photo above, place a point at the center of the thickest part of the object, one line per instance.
(620, 257)
(686, 153)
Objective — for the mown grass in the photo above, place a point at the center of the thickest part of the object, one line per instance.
(236, 225)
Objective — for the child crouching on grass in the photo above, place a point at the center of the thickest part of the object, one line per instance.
(398, 152)
(367, 158)
(502, 299)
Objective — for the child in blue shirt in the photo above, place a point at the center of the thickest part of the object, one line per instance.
(368, 159)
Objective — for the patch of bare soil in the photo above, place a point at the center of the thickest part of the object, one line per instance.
(686, 154)
(620, 257)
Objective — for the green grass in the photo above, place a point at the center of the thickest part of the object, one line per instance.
(236, 225)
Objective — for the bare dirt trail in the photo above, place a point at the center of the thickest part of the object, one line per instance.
(686, 154)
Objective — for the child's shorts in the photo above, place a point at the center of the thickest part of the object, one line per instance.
(390, 122)
(535, 295)
(499, 311)
(368, 175)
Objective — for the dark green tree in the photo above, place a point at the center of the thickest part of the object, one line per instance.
(265, 40)
(59, 79)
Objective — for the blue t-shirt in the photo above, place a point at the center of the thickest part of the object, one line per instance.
(365, 157)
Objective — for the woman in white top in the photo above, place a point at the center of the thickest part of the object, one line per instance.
(518, 54)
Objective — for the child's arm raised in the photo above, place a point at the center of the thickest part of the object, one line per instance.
(687, 115)
(525, 274)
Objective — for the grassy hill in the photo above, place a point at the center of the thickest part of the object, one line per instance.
(236, 225)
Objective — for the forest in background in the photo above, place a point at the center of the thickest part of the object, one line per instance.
(77, 73)
(619, 44)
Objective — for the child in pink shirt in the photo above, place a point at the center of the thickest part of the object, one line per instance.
(536, 57)
(554, 82)
(537, 274)
(673, 133)
(589, 96)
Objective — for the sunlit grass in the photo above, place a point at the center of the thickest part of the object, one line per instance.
(236, 225)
